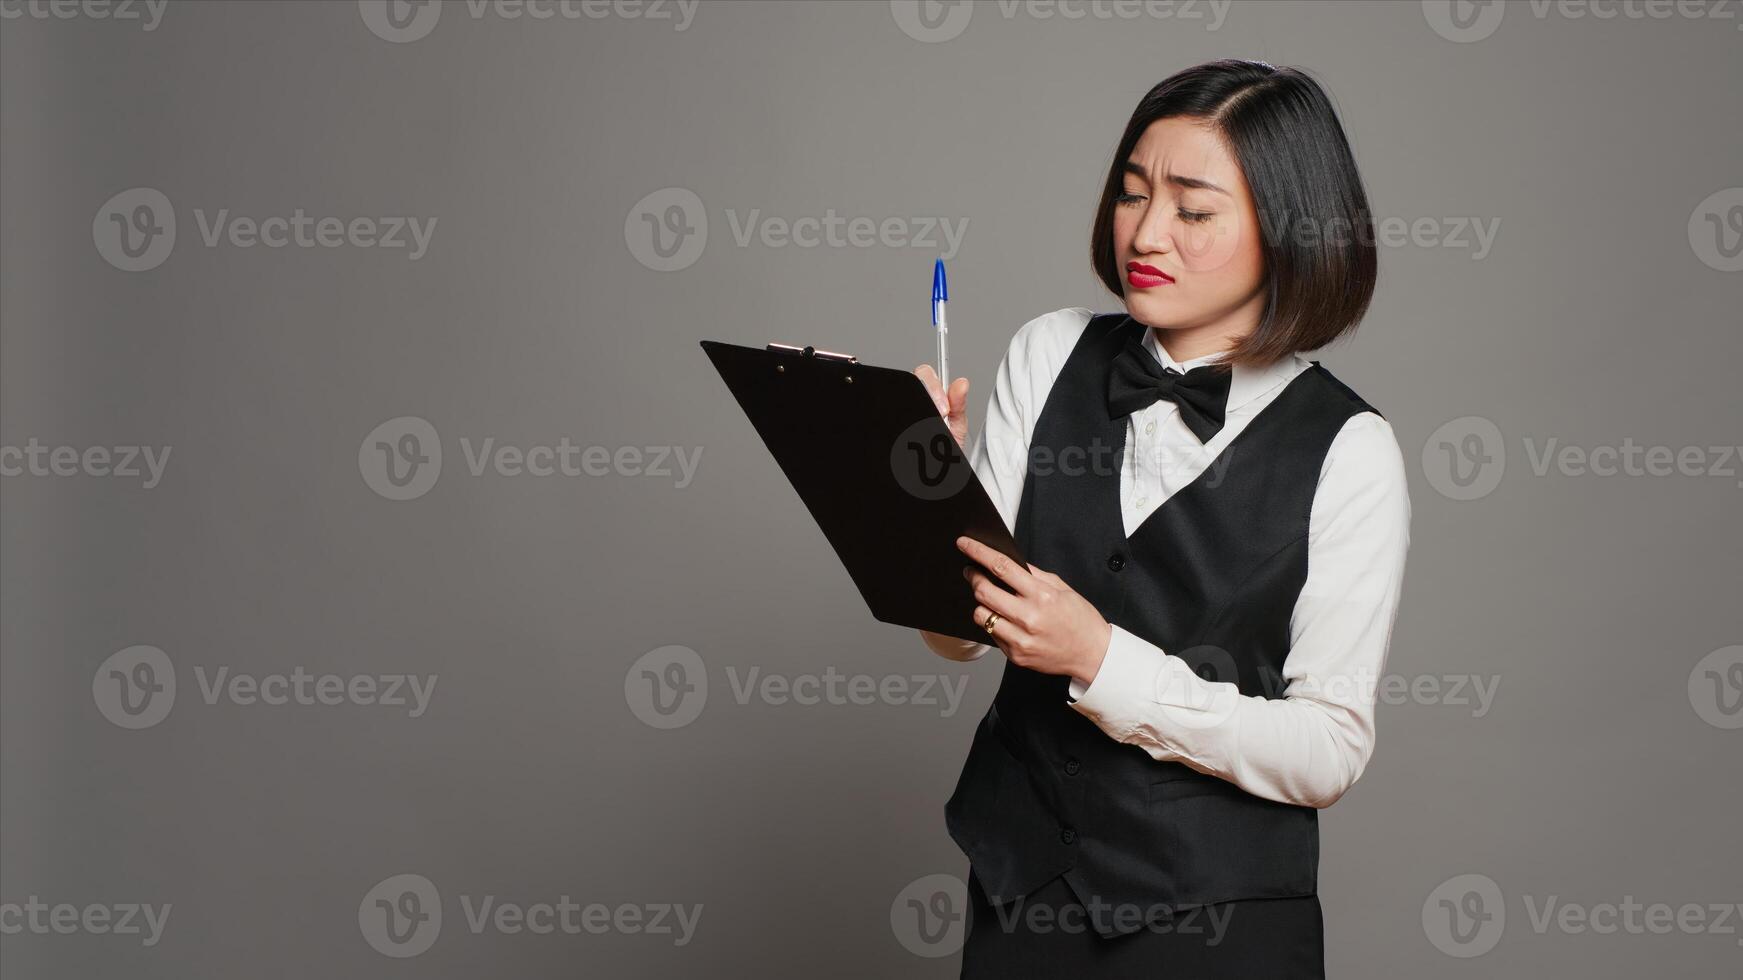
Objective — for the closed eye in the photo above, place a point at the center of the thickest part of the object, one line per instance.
(1195, 217)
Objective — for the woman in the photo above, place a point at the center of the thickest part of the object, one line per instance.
(1216, 529)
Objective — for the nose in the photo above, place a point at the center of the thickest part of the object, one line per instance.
(1152, 236)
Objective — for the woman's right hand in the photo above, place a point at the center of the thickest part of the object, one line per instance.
(954, 409)
(952, 406)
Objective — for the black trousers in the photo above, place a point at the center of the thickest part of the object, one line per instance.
(1047, 935)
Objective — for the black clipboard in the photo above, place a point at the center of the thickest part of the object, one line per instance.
(879, 471)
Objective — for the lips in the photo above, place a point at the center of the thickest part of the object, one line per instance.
(1142, 276)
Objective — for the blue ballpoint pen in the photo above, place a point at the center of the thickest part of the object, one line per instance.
(940, 294)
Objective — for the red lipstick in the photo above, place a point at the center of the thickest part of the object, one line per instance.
(1141, 276)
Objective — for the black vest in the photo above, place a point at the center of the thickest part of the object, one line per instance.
(1211, 577)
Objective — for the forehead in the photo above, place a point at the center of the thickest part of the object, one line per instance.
(1186, 146)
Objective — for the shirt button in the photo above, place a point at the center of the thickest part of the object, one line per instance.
(1141, 501)
(1149, 427)
(1116, 561)
(1073, 767)
(1067, 835)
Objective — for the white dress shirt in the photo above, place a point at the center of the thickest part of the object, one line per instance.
(1311, 745)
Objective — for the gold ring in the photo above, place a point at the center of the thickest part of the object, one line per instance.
(992, 619)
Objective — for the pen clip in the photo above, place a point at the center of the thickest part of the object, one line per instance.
(809, 351)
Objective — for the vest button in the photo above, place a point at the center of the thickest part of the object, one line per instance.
(1116, 561)
(1073, 767)
(1067, 835)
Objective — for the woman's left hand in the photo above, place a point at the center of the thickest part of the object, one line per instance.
(1044, 624)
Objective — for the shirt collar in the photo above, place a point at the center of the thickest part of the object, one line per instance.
(1246, 384)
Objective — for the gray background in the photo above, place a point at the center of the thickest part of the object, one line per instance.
(1593, 777)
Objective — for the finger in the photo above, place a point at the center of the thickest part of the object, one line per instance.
(1046, 576)
(929, 378)
(958, 397)
(1015, 577)
(1005, 632)
(988, 593)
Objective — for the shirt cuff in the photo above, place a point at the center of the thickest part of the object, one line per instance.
(1126, 682)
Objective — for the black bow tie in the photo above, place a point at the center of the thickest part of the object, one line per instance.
(1136, 381)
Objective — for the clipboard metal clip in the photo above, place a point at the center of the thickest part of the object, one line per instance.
(809, 351)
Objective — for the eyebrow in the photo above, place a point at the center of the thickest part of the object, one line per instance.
(1180, 179)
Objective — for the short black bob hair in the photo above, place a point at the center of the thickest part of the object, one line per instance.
(1316, 233)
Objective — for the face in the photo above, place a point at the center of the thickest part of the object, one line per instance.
(1186, 235)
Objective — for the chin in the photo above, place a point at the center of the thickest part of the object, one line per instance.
(1152, 311)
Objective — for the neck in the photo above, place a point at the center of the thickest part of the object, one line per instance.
(1185, 343)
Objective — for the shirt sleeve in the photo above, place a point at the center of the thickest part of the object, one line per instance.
(999, 452)
(1311, 745)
